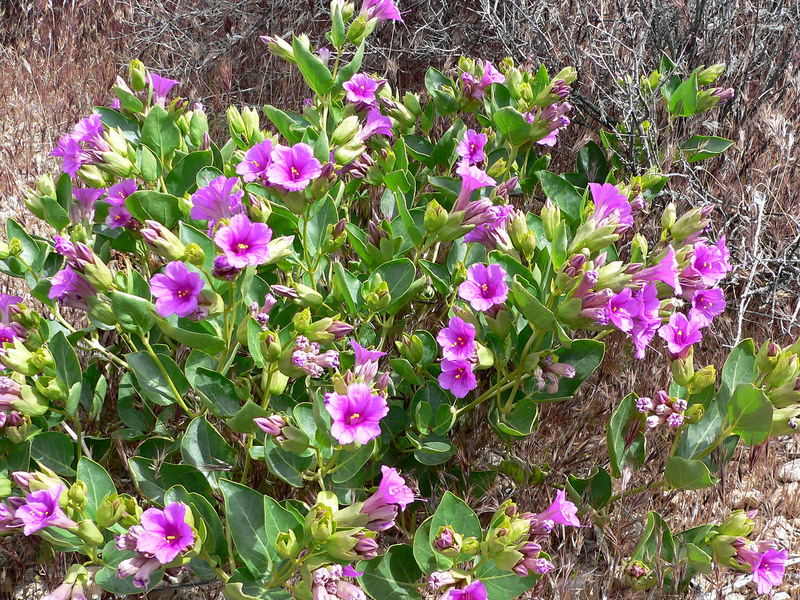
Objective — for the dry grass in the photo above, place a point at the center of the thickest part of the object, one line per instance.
(59, 57)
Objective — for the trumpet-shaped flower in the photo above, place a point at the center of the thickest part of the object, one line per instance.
(457, 339)
(357, 414)
(243, 242)
(293, 167)
(484, 287)
(217, 201)
(176, 290)
(256, 162)
(457, 376)
(41, 509)
(165, 533)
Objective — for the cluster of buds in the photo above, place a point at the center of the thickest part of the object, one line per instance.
(328, 583)
(307, 356)
(548, 373)
(665, 410)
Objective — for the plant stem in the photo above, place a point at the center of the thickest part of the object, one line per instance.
(163, 370)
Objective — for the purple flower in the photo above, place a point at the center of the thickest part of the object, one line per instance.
(484, 287)
(74, 156)
(621, 310)
(457, 339)
(83, 209)
(494, 232)
(680, 333)
(243, 242)
(161, 87)
(118, 214)
(363, 355)
(474, 88)
(665, 271)
(90, 130)
(256, 162)
(71, 289)
(176, 290)
(711, 263)
(769, 569)
(360, 90)
(470, 148)
(561, 511)
(6, 302)
(223, 270)
(393, 495)
(472, 178)
(610, 206)
(217, 201)
(382, 10)
(293, 167)
(457, 376)
(41, 509)
(165, 532)
(356, 415)
(707, 304)
(474, 591)
(142, 569)
(375, 124)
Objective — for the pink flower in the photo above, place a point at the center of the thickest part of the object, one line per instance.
(484, 287)
(472, 178)
(217, 201)
(243, 242)
(176, 290)
(707, 304)
(356, 415)
(294, 167)
(256, 162)
(42, 509)
(457, 376)
(561, 511)
(680, 333)
(470, 148)
(457, 339)
(361, 89)
(165, 533)
(610, 207)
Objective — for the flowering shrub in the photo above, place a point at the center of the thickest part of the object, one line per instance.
(316, 307)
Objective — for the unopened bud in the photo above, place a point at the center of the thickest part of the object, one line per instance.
(551, 219)
(137, 75)
(435, 217)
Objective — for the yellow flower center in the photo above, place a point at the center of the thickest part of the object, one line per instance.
(242, 246)
(183, 293)
(295, 172)
(354, 418)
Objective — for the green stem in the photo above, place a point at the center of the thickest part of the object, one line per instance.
(637, 490)
(163, 370)
(720, 438)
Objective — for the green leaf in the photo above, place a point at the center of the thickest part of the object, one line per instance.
(537, 314)
(697, 437)
(683, 100)
(244, 512)
(98, 484)
(520, 422)
(616, 430)
(393, 575)
(144, 475)
(286, 465)
(399, 275)
(592, 162)
(191, 235)
(700, 147)
(740, 367)
(153, 384)
(192, 339)
(656, 541)
(562, 193)
(512, 126)
(132, 312)
(585, 356)
(685, 474)
(427, 559)
(183, 176)
(218, 391)
(750, 414)
(594, 490)
(55, 451)
(503, 585)
(33, 253)
(160, 133)
(107, 579)
(159, 207)
(242, 421)
(51, 211)
(283, 122)
(68, 368)
(314, 71)
(351, 68)
(453, 511)
(348, 286)
(351, 463)
(127, 100)
(205, 449)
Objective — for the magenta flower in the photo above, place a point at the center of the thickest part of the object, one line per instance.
(6, 302)
(118, 214)
(41, 509)
(90, 130)
(363, 355)
(610, 207)
(665, 271)
(647, 321)
(360, 90)
(382, 10)
(142, 569)
(472, 178)
(471, 146)
(71, 289)
(474, 88)
(356, 416)
(217, 201)
(83, 209)
(256, 162)
(484, 287)
(680, 333)
(769, 570)
(161, 87)
(74, 156)
(293, 167)
(176, 290)
(243, 242)
(474, 591)
(707, 304)
(621, 310)
(561, 511)
(375, 124)
(392, 496)
(457, 376)
(494, 232)
(165, 532)
(711, 263)
(457, 339)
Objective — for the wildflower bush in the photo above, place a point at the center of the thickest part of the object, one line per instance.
(281, 332)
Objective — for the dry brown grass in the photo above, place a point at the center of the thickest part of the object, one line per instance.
(59, 57)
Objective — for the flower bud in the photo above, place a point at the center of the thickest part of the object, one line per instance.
(137, 75)
(89, 533)
(785, 370)
(308, 296)
(435, 217)
(110, 511)
(195, 255)
(279, 47)
(690, 223)
(319, 522)
(51, 387)
(345, 131)
(447, 542)
(551, 219)
(702, 379)
(279, 248)
(683, 369)
(46, 186)
(286, 545)
(296, 440)
(470, 546)
(301, 321)
(410, 348)
(709, 74)
(497, 169)
(251, 125)
(162, 241)
(669, 216)
(235, 121)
